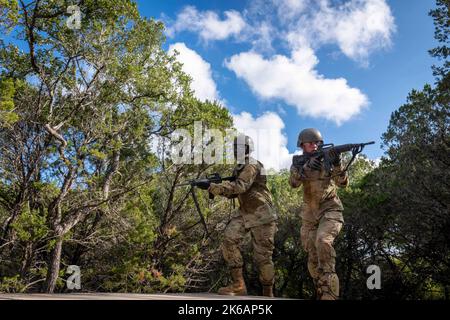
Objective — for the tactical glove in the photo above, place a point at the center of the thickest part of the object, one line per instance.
(314, 164)
(215, 189)
(335, 158)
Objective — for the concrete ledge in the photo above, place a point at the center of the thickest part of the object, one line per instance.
(127, 296)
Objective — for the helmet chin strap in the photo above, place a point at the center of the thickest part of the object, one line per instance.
(246, 159)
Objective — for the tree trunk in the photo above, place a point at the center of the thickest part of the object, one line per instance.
(8, 233)
(27, 259)
(53, 266)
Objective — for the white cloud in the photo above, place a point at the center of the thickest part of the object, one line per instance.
(261, 36)
(208, 24)
(269, 140)
(358, 27)
(377, 162)
(200, 71)
(295, 81)
(289, 9)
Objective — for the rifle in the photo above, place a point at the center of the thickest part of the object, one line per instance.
(204, 184)
(326, 150)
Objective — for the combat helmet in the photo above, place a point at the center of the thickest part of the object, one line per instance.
(243, 141)
(309, 135)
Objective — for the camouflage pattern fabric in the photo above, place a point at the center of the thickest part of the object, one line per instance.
(322, 221)
(250, 186)
(255, 215)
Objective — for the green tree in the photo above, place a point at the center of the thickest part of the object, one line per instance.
(92, 101)
(441, 17)
(7, 114)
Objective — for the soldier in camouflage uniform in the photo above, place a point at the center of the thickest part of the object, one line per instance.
(255, 215)
(321, 213)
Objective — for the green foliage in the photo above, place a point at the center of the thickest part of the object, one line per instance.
(9, 13)
(7, 114)
(132, 277)
(441, 17)
(96, 183)
(31, 226)
(289, 257)
(12, 284)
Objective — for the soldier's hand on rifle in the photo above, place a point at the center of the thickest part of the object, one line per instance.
(314, 164)
(215, 189)
(335, 158)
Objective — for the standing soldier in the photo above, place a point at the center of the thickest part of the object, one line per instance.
(255, 215)
(321, 213)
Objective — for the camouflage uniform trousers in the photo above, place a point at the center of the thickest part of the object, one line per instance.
(317, 239)
(263, 245)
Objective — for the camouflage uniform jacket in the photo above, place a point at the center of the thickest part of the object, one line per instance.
(319, 192)
(250, 187)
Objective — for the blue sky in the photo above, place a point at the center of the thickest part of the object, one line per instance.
(279, 66)
(340, 66)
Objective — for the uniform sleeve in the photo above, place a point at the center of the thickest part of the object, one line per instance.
(340, 177)
(242, 183)
(295, 179)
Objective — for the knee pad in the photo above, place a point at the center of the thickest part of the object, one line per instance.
(329, 284)
(334, 284)
(267, 274)
(232, 256)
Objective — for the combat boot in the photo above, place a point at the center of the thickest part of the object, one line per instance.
(328, 287)
(268, 291)
(318, 290)
(237, 288)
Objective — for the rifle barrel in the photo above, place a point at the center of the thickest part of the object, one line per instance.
(183, 184)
